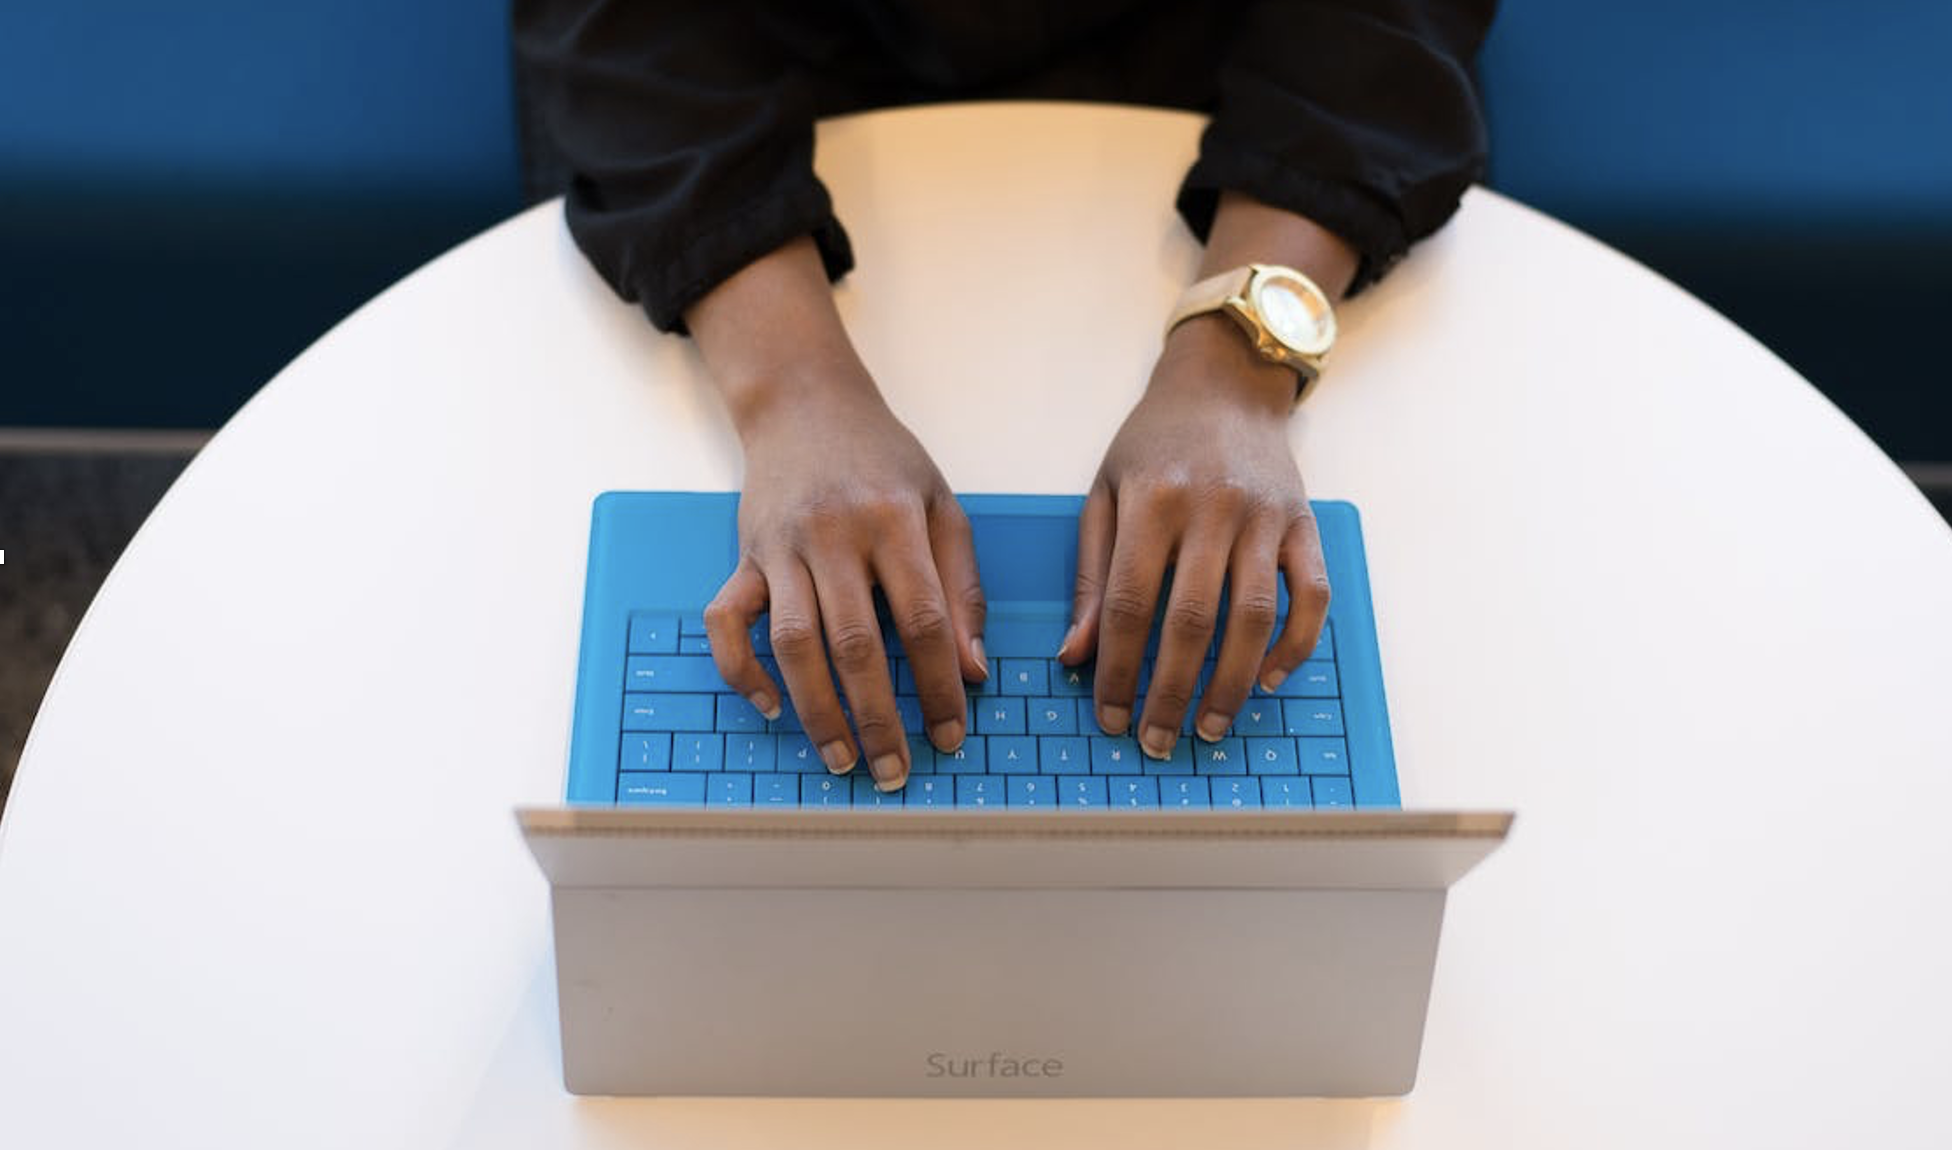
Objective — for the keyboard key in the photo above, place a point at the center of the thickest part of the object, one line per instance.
(1314, 679)
(690, 623)
(1025, 676)
(775, 791)
(905, 678)
(1051, 716)
(984, 689)
(1285, 791)
(929, 791)
(735, 714)
(1064, 755)
(789, 719)
(865, 794)
(1226, 757)
(668, 712)
(909, 710)
(1272, 757)
(1323, 757)
(751, 752)
(1333, 792)
(979, 791)
(1012, 754)
(762, 636)
(921, 755)
(1030, 791)
(797, 753)
(1325, 646)
(732, 789)
(1259, 716)
(697, 752)
(1081, 791)
(1115, 756)
(966, 759)
(1236, 794)
(999, 715)
(645, 753)
(1072, 682)
(660, 789)
(1182, 792)
(1133, 790)
(825, 790)
(653, 634)
(671, 673)
(1313, 717)
(694, 645)
(1182, 761)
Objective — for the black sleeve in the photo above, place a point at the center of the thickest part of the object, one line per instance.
(687, 130)
(1359, 114)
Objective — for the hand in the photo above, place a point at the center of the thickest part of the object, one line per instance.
(839, 498)
(1200, 477)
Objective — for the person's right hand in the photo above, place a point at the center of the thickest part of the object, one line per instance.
(840, 498)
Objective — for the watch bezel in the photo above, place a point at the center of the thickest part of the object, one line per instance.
(1264, 275)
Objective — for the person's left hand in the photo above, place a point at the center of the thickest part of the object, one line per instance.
(1200, 477)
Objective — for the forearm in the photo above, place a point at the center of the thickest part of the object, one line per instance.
(771, 337)
(1246, 231)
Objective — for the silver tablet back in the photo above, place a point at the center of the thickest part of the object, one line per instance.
(1042, 953)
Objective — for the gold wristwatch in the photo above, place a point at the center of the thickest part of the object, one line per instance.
(1286, 315)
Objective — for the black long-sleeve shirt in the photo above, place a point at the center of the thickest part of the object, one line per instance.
(686, 126)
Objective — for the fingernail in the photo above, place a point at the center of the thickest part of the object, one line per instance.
(889, 773)
(1158, 742)
(982, 658)
(765, 704)
(947, 734)
(1065, 644)
(1213, 727)
(1114, 719)
(838, 756)
(1272, 679)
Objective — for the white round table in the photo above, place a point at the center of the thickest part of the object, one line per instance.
(259, 881)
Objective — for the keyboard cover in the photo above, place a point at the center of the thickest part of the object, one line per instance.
(656, 726)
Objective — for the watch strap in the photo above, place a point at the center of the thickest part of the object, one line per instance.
(1211, 294)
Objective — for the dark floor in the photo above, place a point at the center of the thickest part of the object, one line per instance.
(65, 516)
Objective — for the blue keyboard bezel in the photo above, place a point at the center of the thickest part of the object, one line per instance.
(658, 548)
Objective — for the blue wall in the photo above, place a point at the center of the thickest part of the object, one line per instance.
(1790, 162)
(192, 192)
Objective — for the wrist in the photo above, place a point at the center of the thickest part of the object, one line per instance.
(1210, 357)
(791, 397)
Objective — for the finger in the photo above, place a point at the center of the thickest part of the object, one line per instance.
(928, 637)
(1185, 633)
(728, 626)
(1252, 603)
(1307, 577)
(1096, 530)
(1125, 613)
(861, 663)
(802, 656)
(954, 550)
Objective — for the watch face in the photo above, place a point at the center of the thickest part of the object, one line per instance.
(1295, 313)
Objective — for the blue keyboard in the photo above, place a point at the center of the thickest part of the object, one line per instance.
(683, 738)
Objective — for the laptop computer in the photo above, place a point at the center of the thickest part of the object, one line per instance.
(1044, 912)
